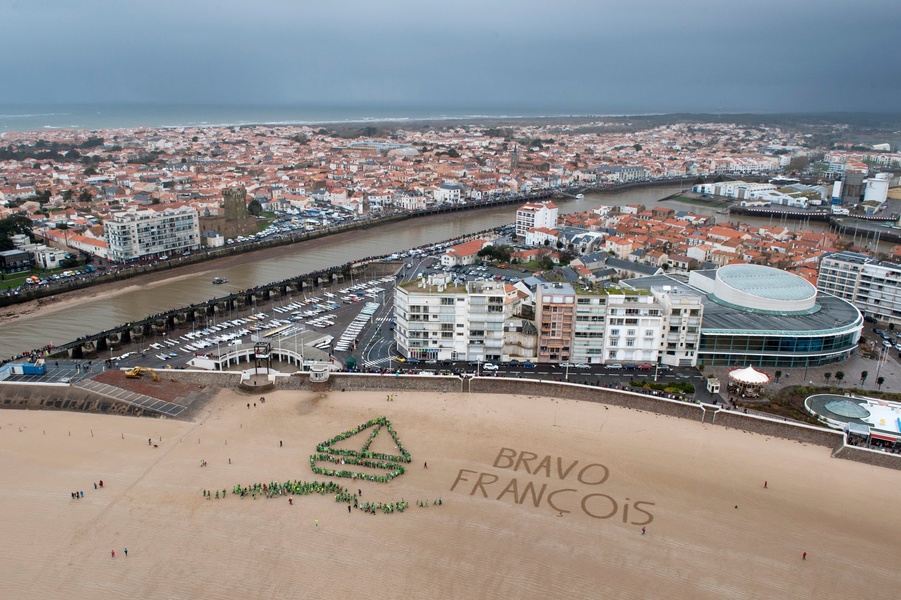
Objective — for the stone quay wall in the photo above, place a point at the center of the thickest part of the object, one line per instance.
(877, 458)
(64, 397)
(800, 432)
(224, 379)
(399, 383)
(572, 391)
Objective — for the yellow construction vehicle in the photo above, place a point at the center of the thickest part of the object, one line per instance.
(138, 372)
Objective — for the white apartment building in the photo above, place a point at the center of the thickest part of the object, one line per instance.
(873, 286)
(681, 331)
(160, 229)
(438, 320)
(536, 215)
(617, 324)
(634, 326)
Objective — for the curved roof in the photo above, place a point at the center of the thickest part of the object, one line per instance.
(767, 282)
(763, 289)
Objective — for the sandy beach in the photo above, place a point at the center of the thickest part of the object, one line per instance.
(540, 498)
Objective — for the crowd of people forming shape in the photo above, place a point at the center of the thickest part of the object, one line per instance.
(289, 489)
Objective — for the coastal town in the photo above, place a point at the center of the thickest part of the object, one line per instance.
(510, 300)
(106, 199)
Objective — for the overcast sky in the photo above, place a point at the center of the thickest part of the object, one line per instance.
(551, 57)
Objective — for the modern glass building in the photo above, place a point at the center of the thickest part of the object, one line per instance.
(758, 315)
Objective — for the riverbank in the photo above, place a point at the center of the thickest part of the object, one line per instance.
(54, 303)
(51, 304)
(602, 510)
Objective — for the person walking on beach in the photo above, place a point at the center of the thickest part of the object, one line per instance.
(126, 551)
(643, 531)
(425, 465)
(112, 553)
(316, 521)
(765, 485)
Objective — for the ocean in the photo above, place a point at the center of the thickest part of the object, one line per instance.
(126, 116)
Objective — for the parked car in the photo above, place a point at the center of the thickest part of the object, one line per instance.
(613, 366)
(645, 367)
(529, 364)
(489, 367)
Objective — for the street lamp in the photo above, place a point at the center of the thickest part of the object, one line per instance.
(882, 360)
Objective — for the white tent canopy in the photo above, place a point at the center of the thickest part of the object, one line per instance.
(749, 376)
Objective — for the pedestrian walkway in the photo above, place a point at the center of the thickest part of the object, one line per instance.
(169, 409)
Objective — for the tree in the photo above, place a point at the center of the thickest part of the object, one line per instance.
(547, 242)
(255, 208)
(85, 196)
(10, 226)
(863, 376)
(637, 147)
(839, 375)
(68, 195)
(879, 381)
(90, 171)
(891, 326)
(827, 376)
(778, 376)
(559, 245)
(718, 179)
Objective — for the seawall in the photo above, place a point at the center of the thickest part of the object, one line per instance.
(64, 397)
(57, 397)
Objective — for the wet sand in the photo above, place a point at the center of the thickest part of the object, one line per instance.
(678, 479)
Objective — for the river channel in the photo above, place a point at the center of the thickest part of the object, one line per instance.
(102, 313)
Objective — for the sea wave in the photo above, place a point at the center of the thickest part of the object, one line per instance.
(35, 115)
(350, 121)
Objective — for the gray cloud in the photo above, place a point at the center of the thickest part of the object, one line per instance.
(576, 56)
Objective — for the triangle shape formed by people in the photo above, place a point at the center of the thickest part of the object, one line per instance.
(341, 462)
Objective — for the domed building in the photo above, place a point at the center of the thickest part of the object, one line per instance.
(758, 315)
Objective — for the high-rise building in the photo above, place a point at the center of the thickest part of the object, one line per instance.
(873, 286)
(536, 214)
(158, 230)
(555, 315)
(436, 319)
